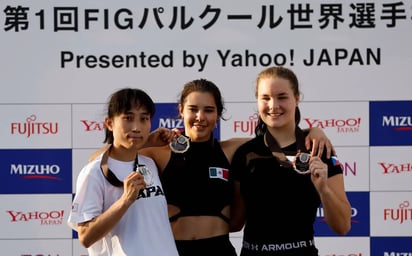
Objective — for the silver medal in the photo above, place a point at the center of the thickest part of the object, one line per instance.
(147, 174)
(180, 144)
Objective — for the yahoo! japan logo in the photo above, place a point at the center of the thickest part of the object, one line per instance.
(348, 125)
(45, 218)
(93, 125)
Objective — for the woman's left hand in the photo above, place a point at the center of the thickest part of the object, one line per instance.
(317, 142)
(319, 172)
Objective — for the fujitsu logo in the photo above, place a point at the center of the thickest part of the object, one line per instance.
(392, 168)
(92, 125)
(31, 127)
(45, 218)
(349, 125)
(397, 122)
(246, 126)
(402, 213)
(36, 171)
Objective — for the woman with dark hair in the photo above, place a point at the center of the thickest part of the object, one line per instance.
(195, 173)
(119, 206)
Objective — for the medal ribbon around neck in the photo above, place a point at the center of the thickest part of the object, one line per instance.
(286, 161)
(111, 177)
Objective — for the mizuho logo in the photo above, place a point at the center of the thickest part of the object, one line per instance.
(399, 122)
(32, 171)
(171, 123)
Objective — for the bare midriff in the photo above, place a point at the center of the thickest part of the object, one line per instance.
(198, 227)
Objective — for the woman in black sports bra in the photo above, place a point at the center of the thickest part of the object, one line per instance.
(196, 180)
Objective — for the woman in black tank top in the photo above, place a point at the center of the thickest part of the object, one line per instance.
(197, 183)
(279, 184)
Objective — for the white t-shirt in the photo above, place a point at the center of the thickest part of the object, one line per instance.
(144, 229)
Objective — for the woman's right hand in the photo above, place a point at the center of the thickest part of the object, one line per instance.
(132, 185)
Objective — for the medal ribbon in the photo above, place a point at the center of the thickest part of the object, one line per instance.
(277, 152)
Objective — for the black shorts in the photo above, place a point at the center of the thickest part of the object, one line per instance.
(296, 248)
(214, 246)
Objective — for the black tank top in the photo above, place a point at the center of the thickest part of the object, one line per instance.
(198, 181)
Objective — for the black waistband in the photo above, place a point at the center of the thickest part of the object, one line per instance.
(178, 215)
(281, 246)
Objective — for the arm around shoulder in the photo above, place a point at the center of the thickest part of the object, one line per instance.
(231, 145)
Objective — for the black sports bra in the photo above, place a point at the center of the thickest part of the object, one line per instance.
(198, 181)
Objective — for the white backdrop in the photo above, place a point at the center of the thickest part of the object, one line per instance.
(59, 62)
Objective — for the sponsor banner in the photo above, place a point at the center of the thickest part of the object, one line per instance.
(167, 115)
(78, 249)
(359, 221)
(35, 126)
(88, 125)
(35, 216)
(391, 123)
(355, 166)
(80, 159)
(391, 246)
(88, 122)
(38, 247)
(391, 213)
(338, 246)
(337, 56)
(390, 168)
(241, 120)
(40, 171)
(345, 124)
(345, 55)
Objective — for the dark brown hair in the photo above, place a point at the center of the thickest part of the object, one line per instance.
(124, 100)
